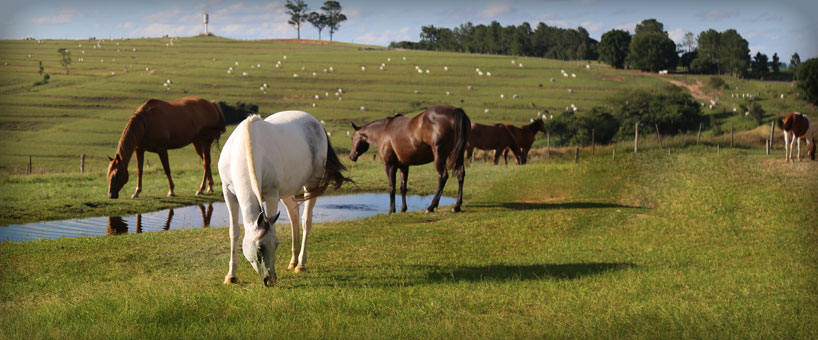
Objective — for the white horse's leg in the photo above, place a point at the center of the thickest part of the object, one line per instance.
(798, 141)
(788, 142)
(292, 212)
(233, 211)
(307, 225)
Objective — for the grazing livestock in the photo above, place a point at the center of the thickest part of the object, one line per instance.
(491, 137)
(437, 135)
(158, 126)
(524, 136)
(796, 127)
(267, 161)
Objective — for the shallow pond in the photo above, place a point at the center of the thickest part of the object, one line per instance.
(327, 209)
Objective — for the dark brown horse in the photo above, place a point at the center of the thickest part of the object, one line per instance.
(524, 135)
(437, 135)
(491, 137)
(158, 126)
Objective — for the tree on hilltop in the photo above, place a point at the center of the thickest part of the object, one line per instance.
(298, 14)
(334, 16)
(319, 21)
(613, 47)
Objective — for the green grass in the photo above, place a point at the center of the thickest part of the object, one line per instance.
(692, 245)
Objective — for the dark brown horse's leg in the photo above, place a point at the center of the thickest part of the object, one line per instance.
(203, 150)
(163, 156)
(524, 155)
(470, 153)
(442, 177)
(140, 157)
(208, 170)
(497, 153)
(461, 175)
(505, 155)
(404, 172)
(391, 171)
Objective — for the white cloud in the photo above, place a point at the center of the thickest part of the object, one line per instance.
(590, 26)
(630, 26)
(158, 30)
(384, 37)
(63, 17)
(495, 10)
(717, 14)
(126, 25)
(676, 35)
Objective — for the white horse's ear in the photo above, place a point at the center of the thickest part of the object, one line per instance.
(274, 219)
(356, 127)
(261, 222)
(260, 219)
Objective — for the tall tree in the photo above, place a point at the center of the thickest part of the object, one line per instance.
(760, 65)
(776, 63)
(334, 16)
(652, 51)
(319, 21)
(298, 12)
(613, 47)
(65, 58)
(733, 54)
(808, 79)
(689, 41)
(649, 25)
(794, 62)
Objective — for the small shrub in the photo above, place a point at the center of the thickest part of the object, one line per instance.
(717, 82)
(234, 114)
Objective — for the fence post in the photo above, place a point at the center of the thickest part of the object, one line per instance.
(82, 163)
(718, 149)
(699, 135)
(636, 139)
(593, 143)
(772, 131)
(29, 165)
(613, 156)
(548, 145)
(658, 135)
(731, 135)
(576, 155)
(768, 147)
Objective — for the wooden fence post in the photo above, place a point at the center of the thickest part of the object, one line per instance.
(613, 151)
(82, 163)
(768, 147)
(636, 139)
(29, 165)
(659, 136)
(699, 135)
(772, 131)
(576, 155)
(718, 149)
(731, 135)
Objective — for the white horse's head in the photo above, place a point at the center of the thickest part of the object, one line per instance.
(259, 247)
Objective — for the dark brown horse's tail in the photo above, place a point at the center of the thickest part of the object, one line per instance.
(332, 174)
(462, 128)
(222, 126)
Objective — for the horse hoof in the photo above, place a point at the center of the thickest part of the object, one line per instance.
(230, 280)
(291, 266)
(300, 269)
(456, 209)
(198, 193)
(170, 194)
(135, 196)
(430, 210)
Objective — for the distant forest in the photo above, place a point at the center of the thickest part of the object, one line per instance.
(542, 41)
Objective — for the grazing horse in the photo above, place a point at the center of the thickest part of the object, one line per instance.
(267, 161)
(437, 135)
(524, 135)
(491, 137)
(158, 126)
(796, 127)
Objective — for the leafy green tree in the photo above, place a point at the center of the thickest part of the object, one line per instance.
(808, 79)
(613, 47)
(794, 62)
(65, 58)
(672, 108)
(332, 10)
(687, 59)
(756, 112)
(734, 53)
(652, 51)
(776, 63)
(41, 68)
(319, 21)
(760, 65)
(689, 41)
(707, 56)
(298, 12)
(649, 26)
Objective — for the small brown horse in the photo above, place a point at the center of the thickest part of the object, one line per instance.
(437, 135)
(524, 135)
(158, 126)
(796, 127)
(491, 137)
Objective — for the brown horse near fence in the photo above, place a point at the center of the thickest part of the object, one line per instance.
(492, 137)
(524, 135)
(437, 135)
(796, 127)
(158, 126)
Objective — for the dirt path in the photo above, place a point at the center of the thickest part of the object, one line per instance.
(695, 90)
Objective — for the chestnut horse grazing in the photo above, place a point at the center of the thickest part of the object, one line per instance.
(158, 126)
(796, 127)
(524, 135)
(267, 161)
(491, 137)
(437, 135)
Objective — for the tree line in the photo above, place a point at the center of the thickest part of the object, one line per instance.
(330, 16)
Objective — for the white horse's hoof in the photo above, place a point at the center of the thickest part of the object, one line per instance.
(300, 269)
(291, 266)
(230, 280)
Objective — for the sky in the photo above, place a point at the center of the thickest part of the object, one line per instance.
(783, 26)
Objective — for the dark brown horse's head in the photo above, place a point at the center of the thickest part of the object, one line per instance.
(537, 125)
(117, 176)
(360, 143)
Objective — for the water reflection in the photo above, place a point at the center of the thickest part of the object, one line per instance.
(118, 225)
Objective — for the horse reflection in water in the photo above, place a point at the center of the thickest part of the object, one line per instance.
(117, 225)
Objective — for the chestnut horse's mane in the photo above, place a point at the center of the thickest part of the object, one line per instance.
(131, 135)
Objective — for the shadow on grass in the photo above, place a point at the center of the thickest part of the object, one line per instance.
(501, 272)
(552, 206)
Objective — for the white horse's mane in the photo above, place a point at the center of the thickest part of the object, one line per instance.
(251, 163)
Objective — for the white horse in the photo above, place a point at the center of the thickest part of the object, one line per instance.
(267, 161)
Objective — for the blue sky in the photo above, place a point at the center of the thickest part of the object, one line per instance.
(783, 26)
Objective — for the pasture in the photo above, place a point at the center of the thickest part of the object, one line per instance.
(691, 244)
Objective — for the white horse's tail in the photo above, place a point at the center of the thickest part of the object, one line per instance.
(251, 163)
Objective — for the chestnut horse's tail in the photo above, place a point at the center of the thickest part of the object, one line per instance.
(222, 126)
(462, 128)
(332, 174)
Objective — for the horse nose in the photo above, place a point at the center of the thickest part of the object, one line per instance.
(269, 282)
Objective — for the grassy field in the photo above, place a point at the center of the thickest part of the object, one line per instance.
(691, 245)
(83, 112)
